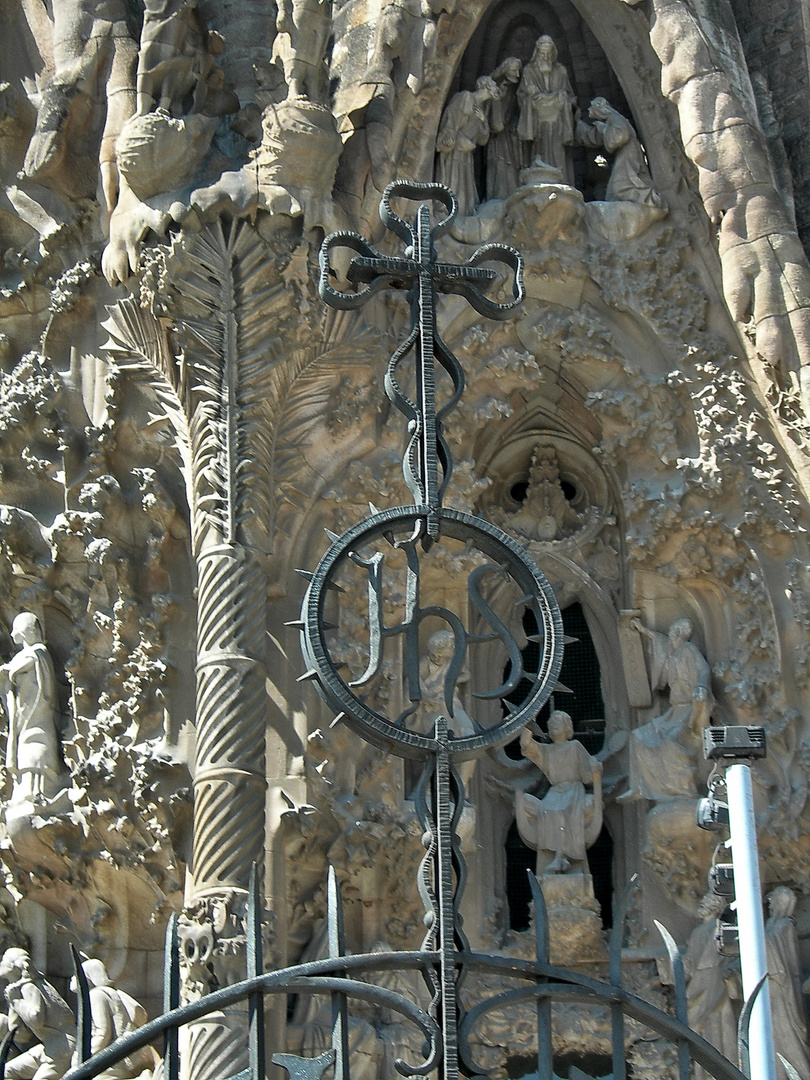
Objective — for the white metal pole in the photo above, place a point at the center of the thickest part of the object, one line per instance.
(750, 921)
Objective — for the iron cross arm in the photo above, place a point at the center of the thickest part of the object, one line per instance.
(419, 271)
(376, 271)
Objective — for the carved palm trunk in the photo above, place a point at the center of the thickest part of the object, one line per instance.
(229, 784)
(213, 374)
(229, 776)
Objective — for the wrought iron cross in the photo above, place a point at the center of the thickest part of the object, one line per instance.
(419, 271)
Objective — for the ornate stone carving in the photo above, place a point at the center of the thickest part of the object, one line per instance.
(547, 109)
(32, 741)
(765, 274)
(624, 361)
(545, 514)
(34, 1004)
(212, 939)
(217, 404)
(663, 751)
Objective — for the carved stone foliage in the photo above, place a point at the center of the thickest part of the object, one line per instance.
(356, 822)
(72, 558)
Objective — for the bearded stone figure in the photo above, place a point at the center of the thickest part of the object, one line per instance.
(546, 103)
(663, 751)
(464, 126)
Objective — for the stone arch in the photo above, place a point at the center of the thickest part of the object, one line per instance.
(512, 28)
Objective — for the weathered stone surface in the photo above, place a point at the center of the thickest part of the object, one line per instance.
(181, 418)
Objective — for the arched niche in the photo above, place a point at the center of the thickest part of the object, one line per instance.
(585, 562)
(512, 29)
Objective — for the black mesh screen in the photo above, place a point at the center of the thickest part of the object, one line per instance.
(519, 859)
(580, 673)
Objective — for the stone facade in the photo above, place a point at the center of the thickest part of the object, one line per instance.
(181, 418)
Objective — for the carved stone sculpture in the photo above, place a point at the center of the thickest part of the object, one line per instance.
(713, 986)
(545, 514)
(546, 108)
(180, 95)
(29, 688)
(785, 982)
(406, 31)
(93, 84)
(303, 31)
(663, 751)
(464, 126)
(114, 1013)
(161, 148)
(433, 672)
(630, 179)
(766, 278)
(177, 69)
(504, 148)
(567, 820)
(34, 1004)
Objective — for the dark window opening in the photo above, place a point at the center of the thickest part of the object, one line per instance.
(580, 673)
(590, 1064)
(519, 491)
(568, 490)
(600, 865)
(519, 859)
(520, 1065)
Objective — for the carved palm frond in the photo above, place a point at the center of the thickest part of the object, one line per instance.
(139, 344)
(225, 287)
(305, 393)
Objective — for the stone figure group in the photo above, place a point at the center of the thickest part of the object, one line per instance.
(526, 115)
(37, 1011)
(714, 991)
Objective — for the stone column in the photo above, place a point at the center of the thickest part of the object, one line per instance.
(229, 793)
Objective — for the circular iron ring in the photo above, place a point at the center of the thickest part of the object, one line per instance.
(498, 546)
